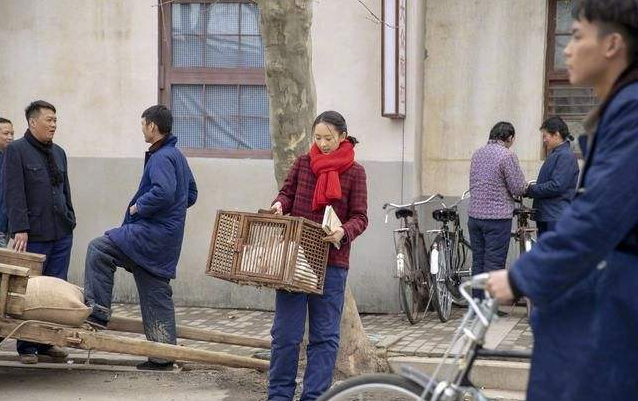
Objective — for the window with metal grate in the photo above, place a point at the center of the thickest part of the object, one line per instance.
(571, 103)
(212, 76)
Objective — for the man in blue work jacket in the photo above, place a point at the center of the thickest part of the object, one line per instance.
(149, 241)
(583, 276)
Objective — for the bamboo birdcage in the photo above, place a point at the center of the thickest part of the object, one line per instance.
(279, 252)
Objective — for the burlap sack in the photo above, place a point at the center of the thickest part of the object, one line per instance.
(54, 300)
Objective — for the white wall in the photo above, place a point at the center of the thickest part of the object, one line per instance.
(485, 63)
(347, 70)
(96, 61)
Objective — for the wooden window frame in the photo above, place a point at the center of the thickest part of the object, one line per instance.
(169, 75)
(553, 76)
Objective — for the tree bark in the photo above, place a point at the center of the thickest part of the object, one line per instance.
(357, 355)
(286, 32)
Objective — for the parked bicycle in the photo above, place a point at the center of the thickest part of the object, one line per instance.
(450, 259)
(450, 380)
(524, 235)
(411, 260)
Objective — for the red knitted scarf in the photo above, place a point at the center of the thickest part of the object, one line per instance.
(327, 169)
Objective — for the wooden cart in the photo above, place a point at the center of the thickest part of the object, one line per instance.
(15, 270)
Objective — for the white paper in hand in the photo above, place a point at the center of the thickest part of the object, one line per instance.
(331, 222)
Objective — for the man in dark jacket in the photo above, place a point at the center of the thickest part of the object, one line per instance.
(149, 241)
(37, 197)
(582, 276)
(6, 137)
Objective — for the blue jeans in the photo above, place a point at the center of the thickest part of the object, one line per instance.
(103, 257)
(324, 312)
(56, 264)
(490, 240)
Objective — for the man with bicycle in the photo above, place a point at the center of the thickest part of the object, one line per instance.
(583, 276)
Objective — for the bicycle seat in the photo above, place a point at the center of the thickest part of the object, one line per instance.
(404, 212)
(444, 215)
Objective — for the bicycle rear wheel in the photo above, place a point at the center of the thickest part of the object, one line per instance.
(439, 277)
(461, 261)
(375, 387)
(412, 300)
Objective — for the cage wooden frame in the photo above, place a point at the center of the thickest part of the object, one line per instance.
(242, 250)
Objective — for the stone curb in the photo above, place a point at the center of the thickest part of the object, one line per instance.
(491, 374)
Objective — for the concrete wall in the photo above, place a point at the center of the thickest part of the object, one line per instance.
(98, 64)
(95, 60)
(485, 64)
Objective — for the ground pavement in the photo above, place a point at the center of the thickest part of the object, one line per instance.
(428, 338)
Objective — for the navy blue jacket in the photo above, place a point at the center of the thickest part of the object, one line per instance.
(556, 184)
(583, 276)
(33, 204)
(152, 237)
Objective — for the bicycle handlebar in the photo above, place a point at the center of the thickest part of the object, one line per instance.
(413, 204)
(478, 282)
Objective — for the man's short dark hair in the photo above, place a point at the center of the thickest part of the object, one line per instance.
(33, 109)
(5, 121)
(161, 116)
(612, 16)
(502, 131)
(556, 125)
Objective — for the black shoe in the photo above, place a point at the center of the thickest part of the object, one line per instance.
(148, 365)
(28, 359)
(54, 352)
(502, 314)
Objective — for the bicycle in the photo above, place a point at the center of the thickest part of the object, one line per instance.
(524, 235)
(411, 260)
(448, 259)
(449, 381)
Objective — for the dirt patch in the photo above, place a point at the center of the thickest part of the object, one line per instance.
(224, 384)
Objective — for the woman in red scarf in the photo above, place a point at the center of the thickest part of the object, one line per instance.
(327, 175)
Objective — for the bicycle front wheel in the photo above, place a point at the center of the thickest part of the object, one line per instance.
(411, 299)
(375, 387)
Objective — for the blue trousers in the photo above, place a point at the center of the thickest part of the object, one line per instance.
(58, 255)
(545, 226)
(324, 312)
(103, 258)
(490, 240)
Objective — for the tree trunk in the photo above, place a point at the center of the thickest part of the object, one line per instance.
(357, 355)
(286, 32)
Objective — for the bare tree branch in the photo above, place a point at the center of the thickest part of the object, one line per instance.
(376, 19)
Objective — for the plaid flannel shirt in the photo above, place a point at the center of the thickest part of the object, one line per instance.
(296, 199)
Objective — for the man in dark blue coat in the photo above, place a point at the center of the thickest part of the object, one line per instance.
(37, 197)
(556, 184)
(149, 241)
(582, 277)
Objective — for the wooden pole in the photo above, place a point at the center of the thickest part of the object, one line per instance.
(111, 343)
(79, 338)
(129, 325)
